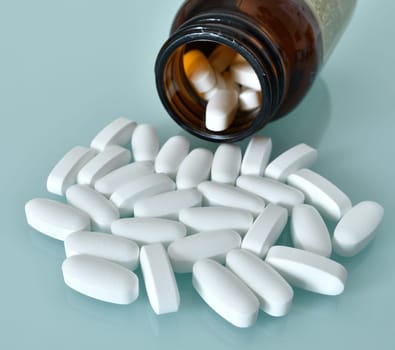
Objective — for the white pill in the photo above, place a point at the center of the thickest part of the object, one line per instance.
(167, 205)
(159, 279)
(145, 143)
(114, 180)
(64, 174)
(119, 132)
(221, 57)
(216, 218)
(127, 195)
(101, 211)
(266, 230)
(308, 270)
(219, 85)
(298, 157)
(271, 190)
(199, 71)
(249, 99)
(100, 279)
(170, 156)
(225, 293)
(230, 84)
(149, 230)
(256, 156)
(194, 169)
(55, 219)
(217, 194)
(357, 228)
(321, 193)
(309, 231)
(273, 291)
(111, 158)
(183, 253)
(226, 163)
(243, 74)
(103, 245)
(221, 110)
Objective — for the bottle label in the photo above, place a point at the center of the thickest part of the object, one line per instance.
(332, 17)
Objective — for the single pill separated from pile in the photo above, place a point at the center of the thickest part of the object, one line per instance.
(225, 293)
(221, 110)
(271, 190)
(221, 57)
(100, 279)
(101, 211)
(119, 132)
(168, 204)
(199, 71)
(103, 245)
(249, 99)
(226, 163)
(309, 231)
(55, 219)
(194, 169)
(243, 74)
(64, 174)
(256, 156)
(266, 230)
(126, 196)
(298, 157)
(170, 156)
(145, 143)
(357, 228)
(217, 194)
(149, 230)
(307, 270)
(321, 193)
(273, 291)
(114, 180)
(215, 245)
(159, 279)
(216, 218)
(111, 158)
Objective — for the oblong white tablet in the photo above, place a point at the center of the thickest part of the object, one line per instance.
(55, 219)
(117, 178)
(221, 57)
(226, 164)
(256, 156)
(273, 291)
(308, 270)
(321, 193)
(309, 231)
(100, 279)
(149, 230)
(357, 228)
(127, 195)
(266, 230)
(64, 173)
(145, 143)
(171, 155)
(183, 253)
(249, 99)
(271, 190)
(159, 279)
(225, 293)
(111, 158)
(101, 211)
(217, 194)
(103, 245)
(243, 74)
(297, 157)
(194, 169)
(216, 218)
(168, 204)
(118, 132)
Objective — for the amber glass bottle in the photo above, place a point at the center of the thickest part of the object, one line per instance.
(285, 41)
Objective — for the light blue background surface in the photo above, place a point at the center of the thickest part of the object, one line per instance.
(67, 68)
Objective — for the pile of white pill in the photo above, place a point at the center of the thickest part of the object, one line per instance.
(226, 81)
(217, 215)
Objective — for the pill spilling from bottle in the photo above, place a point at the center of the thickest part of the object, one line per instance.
(216, 215)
